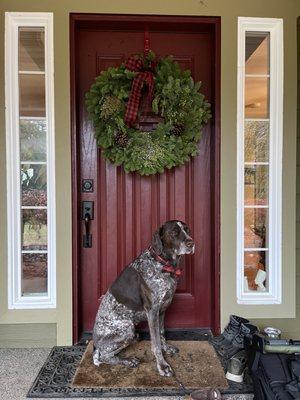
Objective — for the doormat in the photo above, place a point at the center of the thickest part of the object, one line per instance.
(56, 376)
(196, 366)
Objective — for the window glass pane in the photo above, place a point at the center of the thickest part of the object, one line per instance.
(256, 141)
(33, 140)
(34, 274)
(257, 53)
(255, 270)
(34, 185)
(255, 227)
(256, 97)
(34, 229)
(31, 49)
(256, 184)
(32, 95)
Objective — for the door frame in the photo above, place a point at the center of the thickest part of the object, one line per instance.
(187, 23)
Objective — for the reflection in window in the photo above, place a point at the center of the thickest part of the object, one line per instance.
(259, 160)
(256, 141)
(32, 95)
(256, 158)
(34, 274)
(34, 229)
(34, 185)
(33, 140)
(33, 160)
(257, 97)
(257, 53)
(31, 49)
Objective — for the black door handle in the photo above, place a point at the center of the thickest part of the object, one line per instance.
(87, 219)
(88, 215)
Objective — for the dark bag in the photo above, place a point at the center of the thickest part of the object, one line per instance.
(275, 376)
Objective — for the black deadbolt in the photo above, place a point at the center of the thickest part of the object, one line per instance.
(87, 185)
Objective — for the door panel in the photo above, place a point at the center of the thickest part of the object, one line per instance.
(128, 208)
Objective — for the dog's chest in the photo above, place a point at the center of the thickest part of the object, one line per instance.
(161, 284)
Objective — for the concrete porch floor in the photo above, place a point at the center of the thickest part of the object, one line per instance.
(19, 368)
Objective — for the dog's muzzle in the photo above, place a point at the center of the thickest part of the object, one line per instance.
(190, 246)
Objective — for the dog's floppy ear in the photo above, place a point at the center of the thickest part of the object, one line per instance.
(156, 242)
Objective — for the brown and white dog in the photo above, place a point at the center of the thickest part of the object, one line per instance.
(142, 292)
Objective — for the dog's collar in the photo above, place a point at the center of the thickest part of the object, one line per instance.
(167, 265)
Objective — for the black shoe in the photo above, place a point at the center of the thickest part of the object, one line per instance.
(230, 348)
(230, 331)
(236, 367)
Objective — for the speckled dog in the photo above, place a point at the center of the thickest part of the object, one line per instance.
(142, 292)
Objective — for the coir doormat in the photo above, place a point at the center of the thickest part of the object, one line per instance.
(57, 374)
(196, 366)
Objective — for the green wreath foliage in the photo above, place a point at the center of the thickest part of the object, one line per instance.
(176, 98)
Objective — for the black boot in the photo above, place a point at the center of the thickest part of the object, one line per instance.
(229, 332)
(230, 348)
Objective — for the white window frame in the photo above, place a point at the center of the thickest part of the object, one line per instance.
(275, 27)
(14, 20)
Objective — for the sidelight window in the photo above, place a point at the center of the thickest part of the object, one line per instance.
(30, 160)
(259, 162)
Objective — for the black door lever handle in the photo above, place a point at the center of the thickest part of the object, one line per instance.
(87, 219)
(87, 216)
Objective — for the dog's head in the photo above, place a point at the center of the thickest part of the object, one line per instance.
(173, 237)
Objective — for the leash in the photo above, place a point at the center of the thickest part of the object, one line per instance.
(181, 386)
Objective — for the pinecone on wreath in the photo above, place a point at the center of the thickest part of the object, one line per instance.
(121, 139)
(177, 130)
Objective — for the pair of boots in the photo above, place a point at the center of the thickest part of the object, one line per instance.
(232, 339)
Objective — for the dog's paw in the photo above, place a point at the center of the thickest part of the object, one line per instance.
(132, 362)
(170, 349)
(96, 360)
(164, 369)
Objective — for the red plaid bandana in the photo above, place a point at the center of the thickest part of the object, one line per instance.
(142, 77)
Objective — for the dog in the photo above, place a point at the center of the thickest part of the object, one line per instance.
(142, 292)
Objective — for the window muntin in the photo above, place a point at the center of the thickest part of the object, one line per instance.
(30, 160)
(259, 128)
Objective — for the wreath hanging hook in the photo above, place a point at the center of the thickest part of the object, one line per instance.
(146, 41)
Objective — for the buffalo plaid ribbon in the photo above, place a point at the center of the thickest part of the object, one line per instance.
(142, 77)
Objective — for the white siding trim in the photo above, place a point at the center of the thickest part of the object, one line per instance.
(13, 20)
(275, 27)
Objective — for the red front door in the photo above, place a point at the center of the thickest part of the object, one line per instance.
(128, 208)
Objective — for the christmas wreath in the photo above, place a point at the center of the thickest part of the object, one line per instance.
(113, 103)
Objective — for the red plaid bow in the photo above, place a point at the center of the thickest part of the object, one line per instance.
(167, 265)
(132, 107)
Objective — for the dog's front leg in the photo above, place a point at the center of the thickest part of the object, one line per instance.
(167, 347)
(163, 367)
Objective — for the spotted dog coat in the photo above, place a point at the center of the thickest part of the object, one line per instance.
(142, 292)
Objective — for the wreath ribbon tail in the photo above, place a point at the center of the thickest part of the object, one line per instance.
(135, 95)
